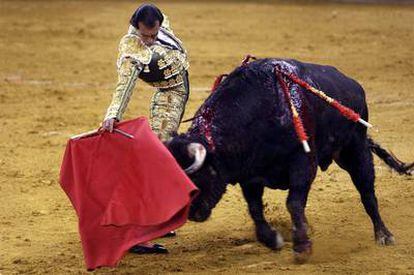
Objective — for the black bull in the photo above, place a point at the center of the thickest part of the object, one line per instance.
(243, 133)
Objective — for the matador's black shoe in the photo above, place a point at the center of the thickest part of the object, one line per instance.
(170, 234)
(154, 249)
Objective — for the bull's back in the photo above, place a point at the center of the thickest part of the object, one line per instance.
(335, 84)
(328, 79)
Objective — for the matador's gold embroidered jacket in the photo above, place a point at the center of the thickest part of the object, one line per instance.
(162, 65)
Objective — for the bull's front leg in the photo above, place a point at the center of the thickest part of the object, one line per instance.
(253, 192)
(301, 174)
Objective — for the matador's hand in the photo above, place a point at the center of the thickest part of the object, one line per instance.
(108, 124)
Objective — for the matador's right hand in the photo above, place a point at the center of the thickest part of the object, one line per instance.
(108, 124)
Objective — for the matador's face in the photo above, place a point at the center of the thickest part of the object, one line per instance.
(147, 34)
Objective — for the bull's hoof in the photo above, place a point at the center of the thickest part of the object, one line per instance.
(303, 256)
(302, 251)
(384, 238)
(269, 237)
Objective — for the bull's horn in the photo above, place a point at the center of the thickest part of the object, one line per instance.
(199, 152)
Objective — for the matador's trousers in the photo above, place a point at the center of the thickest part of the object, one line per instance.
(167, 108)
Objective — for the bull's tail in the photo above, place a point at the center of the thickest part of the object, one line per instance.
(390, 159)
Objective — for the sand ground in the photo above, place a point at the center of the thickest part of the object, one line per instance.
(57, 73)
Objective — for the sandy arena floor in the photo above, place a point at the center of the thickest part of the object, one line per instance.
(57, 73)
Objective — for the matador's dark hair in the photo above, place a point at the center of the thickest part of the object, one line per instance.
(148, 14)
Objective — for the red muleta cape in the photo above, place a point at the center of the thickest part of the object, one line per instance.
(125, 190)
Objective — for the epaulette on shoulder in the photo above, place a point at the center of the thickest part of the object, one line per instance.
(131, 46)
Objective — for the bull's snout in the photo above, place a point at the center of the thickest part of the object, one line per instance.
(198, 214)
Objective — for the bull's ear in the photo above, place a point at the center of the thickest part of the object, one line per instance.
(199, 153)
